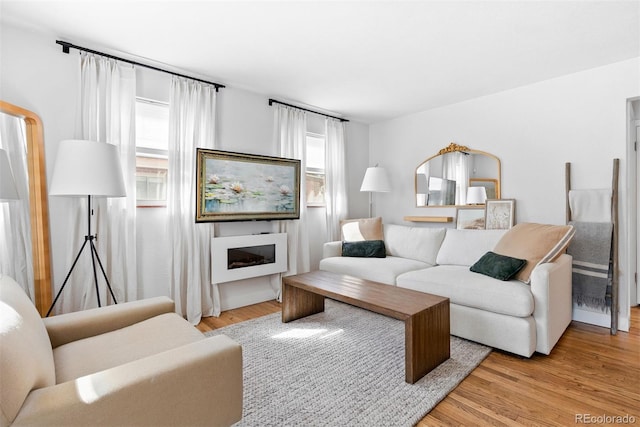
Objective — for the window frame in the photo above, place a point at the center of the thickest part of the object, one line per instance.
(316, 171)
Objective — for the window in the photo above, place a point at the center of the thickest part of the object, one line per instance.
(315, 173)
(152, 145)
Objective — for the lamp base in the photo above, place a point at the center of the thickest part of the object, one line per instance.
(89, 238)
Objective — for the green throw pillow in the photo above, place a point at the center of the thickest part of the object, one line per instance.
(364, 249)
(499, 267)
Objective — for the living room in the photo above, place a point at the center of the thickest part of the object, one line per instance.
(534, 124)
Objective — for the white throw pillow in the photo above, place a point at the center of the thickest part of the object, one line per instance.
(418, 243)
(465, 247)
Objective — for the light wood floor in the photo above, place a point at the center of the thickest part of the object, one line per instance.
(589, 374)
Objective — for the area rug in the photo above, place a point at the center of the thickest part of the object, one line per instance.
(342, 367)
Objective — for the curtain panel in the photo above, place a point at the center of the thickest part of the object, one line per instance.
(16, 259)
(290, 136)
(105, 113)
(456, 167)
(336, 178)
(192, 113)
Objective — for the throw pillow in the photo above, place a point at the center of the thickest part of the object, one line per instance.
(364, 249)
(357, 230)
(537, 243)
(498, 266)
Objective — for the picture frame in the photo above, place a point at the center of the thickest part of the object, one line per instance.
(245, 187)
(470, 218)
(500, 214)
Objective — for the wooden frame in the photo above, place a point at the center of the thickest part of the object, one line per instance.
(470, 218)
(500, 214)
(39, 204)
(246, 187)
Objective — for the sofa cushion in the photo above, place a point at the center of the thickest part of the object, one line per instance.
(100, 352)
(417, 243)
(356, 230)
(464, 287)
(383, 270)
(537, 243)
(499, 267)
(364, 249)
(465, 247)
(26, 359)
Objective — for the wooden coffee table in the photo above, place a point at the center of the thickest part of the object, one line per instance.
(426, 316)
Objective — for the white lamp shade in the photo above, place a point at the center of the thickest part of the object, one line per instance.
(8, 189)
(87, 168)
(476, 195)
(376, 180)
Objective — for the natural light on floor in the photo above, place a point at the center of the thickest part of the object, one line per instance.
(306, 333)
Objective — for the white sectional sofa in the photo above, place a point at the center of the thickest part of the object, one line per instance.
(512, 315)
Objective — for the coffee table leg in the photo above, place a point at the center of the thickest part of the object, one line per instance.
(297, 303)
(426, 341)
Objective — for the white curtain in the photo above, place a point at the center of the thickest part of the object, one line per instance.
(456, 167)
(105, 113)
(336, 178)
(290, 136)
(192, 111)
(16, 256)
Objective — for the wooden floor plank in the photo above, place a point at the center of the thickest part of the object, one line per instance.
(588, 372)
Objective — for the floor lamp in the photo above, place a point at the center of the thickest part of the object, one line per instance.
(87, 169)
(375, 181)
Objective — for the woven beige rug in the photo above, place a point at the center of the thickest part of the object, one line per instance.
(343, 367)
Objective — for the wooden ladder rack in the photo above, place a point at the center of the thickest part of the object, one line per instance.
(614, 252)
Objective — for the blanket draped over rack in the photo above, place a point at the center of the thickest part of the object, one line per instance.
(591, 252)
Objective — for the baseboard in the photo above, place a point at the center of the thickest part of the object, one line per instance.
(598, 318)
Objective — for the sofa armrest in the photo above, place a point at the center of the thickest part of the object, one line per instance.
(65, 328)
(332, 249)
(196, 384)
(551, 289)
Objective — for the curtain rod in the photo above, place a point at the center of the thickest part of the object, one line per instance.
(66, 46)
(271, 101)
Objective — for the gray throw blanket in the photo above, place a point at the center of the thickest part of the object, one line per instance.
(591, 252)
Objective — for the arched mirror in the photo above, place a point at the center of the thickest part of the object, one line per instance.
(457, 176)
(28, 132)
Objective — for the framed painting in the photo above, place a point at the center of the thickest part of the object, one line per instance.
(500, 214)
(245, 187)
(470, 218)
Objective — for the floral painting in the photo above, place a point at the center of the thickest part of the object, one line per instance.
(244, 187)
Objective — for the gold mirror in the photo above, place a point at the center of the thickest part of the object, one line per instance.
(457, 176)
(38, 203)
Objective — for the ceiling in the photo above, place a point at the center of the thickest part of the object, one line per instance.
(367, 61)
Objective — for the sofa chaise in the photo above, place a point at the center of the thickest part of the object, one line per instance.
(526, 314)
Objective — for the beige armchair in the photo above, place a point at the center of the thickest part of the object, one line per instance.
(128, 364)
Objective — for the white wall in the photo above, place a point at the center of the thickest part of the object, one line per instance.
(580, 118)
(36, 75)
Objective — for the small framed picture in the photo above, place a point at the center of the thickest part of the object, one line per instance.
(470, 218)
(500, 214)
